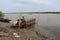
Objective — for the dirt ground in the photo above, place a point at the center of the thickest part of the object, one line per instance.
(22, 34)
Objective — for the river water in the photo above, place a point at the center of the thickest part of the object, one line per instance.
(50, 22)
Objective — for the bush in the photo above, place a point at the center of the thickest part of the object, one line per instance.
(1, 14)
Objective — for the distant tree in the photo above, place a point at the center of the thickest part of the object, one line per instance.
(1, 14)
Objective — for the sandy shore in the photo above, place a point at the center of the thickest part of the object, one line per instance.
(24, 34)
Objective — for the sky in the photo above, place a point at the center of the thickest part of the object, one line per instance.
(29, 5)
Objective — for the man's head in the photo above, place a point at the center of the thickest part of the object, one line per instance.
(18, 20)
(23, 17)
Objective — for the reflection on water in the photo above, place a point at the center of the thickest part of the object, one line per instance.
(50, 22)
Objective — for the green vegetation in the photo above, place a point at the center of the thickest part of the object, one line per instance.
(1, 14)
(33, 13)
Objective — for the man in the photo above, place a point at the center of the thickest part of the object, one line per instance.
(24, 21)
(17, 23)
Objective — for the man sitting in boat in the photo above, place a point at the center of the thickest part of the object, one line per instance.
(17, 23)
(20, 23)
(23, 22)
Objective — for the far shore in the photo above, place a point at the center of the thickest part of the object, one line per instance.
(33, 13)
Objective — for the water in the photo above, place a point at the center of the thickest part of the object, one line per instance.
(50, 22)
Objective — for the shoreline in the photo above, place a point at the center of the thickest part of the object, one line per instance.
(31, 33)
(46, 33)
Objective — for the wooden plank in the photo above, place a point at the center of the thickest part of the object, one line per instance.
(4, 35)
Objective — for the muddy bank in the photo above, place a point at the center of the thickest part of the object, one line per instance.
(24, 34)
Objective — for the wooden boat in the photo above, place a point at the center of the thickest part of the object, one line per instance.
(4, 20)
(29, 23)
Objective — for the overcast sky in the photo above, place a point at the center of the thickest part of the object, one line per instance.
(29, 5)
